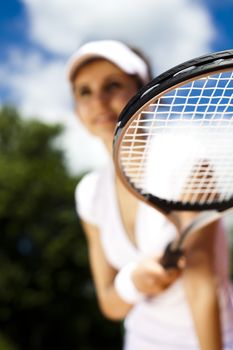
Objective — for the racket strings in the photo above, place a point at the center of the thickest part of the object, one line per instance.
(180, 147)
(208, 96)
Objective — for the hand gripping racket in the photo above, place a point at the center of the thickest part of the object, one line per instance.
(173, 144)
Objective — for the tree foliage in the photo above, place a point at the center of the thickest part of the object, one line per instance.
(47, 300)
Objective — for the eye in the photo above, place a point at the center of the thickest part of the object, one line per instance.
(113, 85)
(83, 91)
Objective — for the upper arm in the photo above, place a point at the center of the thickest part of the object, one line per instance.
(87, 205)
(103, 273)
(209, 247)
(206, 251)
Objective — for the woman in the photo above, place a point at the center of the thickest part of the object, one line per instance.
(162, 309)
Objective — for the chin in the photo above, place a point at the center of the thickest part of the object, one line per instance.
(107, 135)
(106, 131)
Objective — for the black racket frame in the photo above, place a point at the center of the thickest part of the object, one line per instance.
(201, 66)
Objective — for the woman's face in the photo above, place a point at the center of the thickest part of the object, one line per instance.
(101, 90)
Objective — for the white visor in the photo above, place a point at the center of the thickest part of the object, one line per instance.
(113, 51)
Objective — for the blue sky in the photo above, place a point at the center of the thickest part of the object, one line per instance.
(221, 13)
(37, 37)
(14, 24)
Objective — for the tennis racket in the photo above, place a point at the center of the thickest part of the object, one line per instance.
(173, 145)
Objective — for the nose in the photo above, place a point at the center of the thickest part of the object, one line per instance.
(100, 103)
(101, 97)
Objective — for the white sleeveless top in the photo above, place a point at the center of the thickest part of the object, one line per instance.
(163, 322)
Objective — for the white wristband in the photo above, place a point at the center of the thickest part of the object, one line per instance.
(125, 287)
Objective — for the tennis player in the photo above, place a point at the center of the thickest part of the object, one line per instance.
(183, 309)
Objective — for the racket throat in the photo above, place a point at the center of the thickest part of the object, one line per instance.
(186, 224)
(171, 256)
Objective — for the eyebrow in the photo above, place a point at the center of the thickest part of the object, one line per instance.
(109, 77)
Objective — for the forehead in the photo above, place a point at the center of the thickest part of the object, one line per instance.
(97, 68)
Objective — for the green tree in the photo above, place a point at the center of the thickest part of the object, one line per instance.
(47, 299)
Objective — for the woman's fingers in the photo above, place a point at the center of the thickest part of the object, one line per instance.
(151, 278)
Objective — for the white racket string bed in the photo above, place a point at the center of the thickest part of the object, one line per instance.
(173, 145)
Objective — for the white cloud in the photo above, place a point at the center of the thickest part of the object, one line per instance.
(39, 90)
(37, 85)
(170, 31)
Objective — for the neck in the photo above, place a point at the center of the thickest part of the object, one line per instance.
(108, 145)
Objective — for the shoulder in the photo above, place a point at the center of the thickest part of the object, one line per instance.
(90, 193)
(87, 185)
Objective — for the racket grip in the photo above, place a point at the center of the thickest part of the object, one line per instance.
(171, 257)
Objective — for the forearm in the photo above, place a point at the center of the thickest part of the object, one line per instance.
(112, 305)
(118, 297)
(202, 294)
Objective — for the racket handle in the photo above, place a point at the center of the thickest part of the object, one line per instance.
(171, 257)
